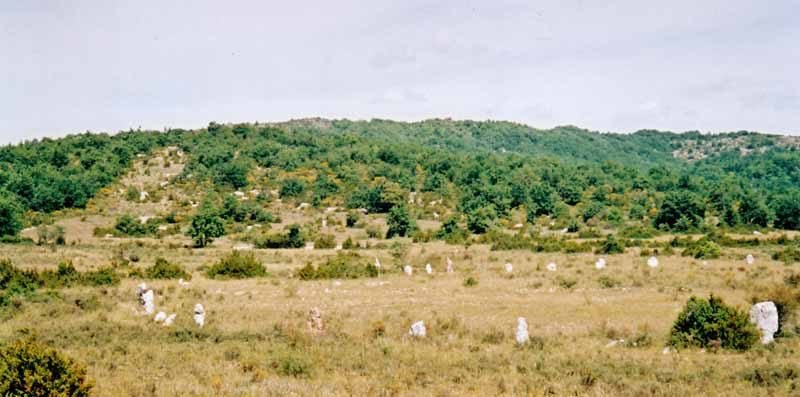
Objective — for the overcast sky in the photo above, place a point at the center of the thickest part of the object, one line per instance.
(72, 66)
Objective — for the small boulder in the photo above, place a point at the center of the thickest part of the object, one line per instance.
(428, 269)
(408, 270)
(522, 331)
(160, 317)
(652, 262)
(418, 329)
(600, 264)
(199, 315)
(169, 320)
(750, 259)
(315, 321)
(552, 267)
(509, 267)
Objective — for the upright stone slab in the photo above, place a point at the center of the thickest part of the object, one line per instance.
(765, 316)
(418, 329)
(199, 315)
(522, 331)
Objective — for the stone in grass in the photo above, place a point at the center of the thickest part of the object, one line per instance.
(408, 270)
(750, 259)
(199, 315)
(449, 265)
(169, 320)
(600, 264)
(146, 298)
(315, 321)
(765, 316)
(522, 331)
(428, 269)
(160, 317)
(652, 262)
(552, 267)
(418, 329)
(509, 267)
(377, 263)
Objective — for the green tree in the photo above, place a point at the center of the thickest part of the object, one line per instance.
(10, 216)
(399, 222)
(787, 210)
(681, 210)
(206, 226)
(480, 219)
(292, 187)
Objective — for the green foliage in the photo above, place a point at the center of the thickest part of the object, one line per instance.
(127, 225)
(293, 364)
(10, 216)
(163, 269)
(451, 232)
(352, 218)
(293, 238)
(28, 368)
(343, 265)
(100, 277)
(612, 246)
(205, 227)
(789, 254)
(470, 282)
(703, 248)
(292, 187)
(681, 211)
(710, 322)
(480, 219)
(399, 222)
(233, 173)
(787, 211)
(237, 266)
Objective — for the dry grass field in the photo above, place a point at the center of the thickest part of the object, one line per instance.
(257, 341)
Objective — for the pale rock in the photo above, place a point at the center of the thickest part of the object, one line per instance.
(408, 270)
(144, 218)
(518, 226)
(565, 230)
(339, 247)
(418, 329)
(757, 233)
(163, 228)
(303, 206)
(182, 282)
(600, 264)
(522, 331)
(509, 267)
(765, 316)
(309, 246)
(143, 195)
(315, 321)
(615, 342)
(148, 302)
(652, 262)
(163, 184)
(428, 269)
(169, 320)
(750, 259)
(435, 215)
(199, 315)
(160, 317)
(238, 194)
(377, 263)
(330, 209)
(551, 267)
(324, 223)
(449, 265)
(243, 247)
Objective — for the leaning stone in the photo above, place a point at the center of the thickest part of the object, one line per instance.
(765, 316)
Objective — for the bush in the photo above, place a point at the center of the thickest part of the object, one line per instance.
(97, 278)
(612, 246)
(608, 282)
(325, 241)
(349, 244)
(292, 364)
(29, 369)
(352, 218)
(343, 265)
(706, 323)
(205, 227)
(703, 248)
(237, 265)
(163, 269)
(292, 239)
(470, 282)
(399, 222)
(788, 255)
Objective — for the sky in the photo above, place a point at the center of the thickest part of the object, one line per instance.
(618, 66)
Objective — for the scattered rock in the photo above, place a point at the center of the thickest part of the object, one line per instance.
(518, 226)
(408, 270)
(522, 331)
(428, 269)
(303, 206)
(418, 329)
(143, 195)
(377, 263)
(551, 267)
(146, 298)
(668, 350)
(169, 320)
(449, 265)
(757, 233)
(750, 259)
(652, 262)
(600, 264)
(765, 316)
(238, 194)
(182, 282)
(160, 316)
(199, 315)
(615, 342)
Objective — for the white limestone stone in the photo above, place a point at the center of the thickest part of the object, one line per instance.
(522, 331)
(418, 329)
(199, 315)
(765, 316)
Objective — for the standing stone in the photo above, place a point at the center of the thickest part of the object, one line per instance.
(428, 269)
(315, 321)
(169, 320)
(552, 266)
(199, 315)
(449, 265)
(418, 329)
(377, 263)
(148, 302)
(509, 267)
(750, 259)
(408, 270)
(600, 264)
(765, 316)
(522, 331)
(160, 316)
(652, 262)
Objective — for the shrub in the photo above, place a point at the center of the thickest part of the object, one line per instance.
(163, 269)
(470, 282)
(97, 278)
(612, 246)
(325, 241)
(788, 255)
(608, 282)
(770, 376)
(343, 265)
(349, 244)
(292, 364)
(703, 248)
(14, 281)
(374, 231)
(237, 265)
(352, 218)
(292, 239)
(399, 222)
(29, 369)
(705, 323)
